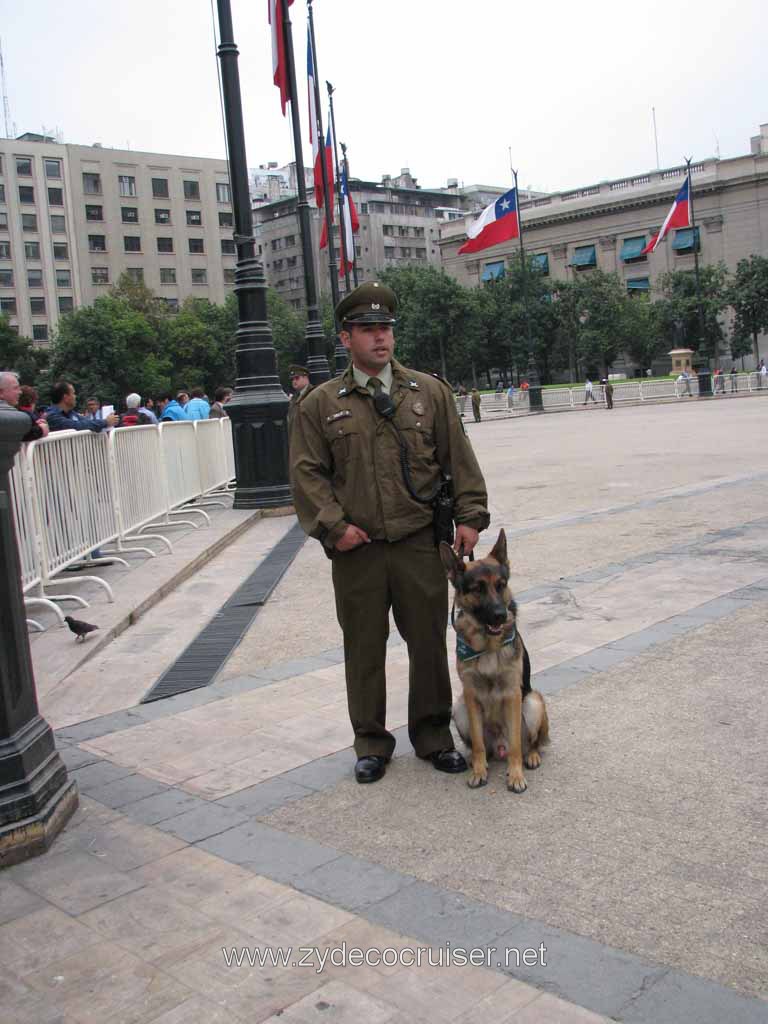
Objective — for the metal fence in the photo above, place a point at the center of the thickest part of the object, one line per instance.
(76, 492)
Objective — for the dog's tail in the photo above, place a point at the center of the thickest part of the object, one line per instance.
(536, 719)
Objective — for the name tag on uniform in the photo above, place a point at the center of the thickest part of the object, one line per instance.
(338, 416)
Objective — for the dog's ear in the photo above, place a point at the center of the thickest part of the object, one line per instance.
(451, 561)
(499, 551)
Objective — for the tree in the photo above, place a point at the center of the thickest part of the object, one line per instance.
(748, 295)
(680, 304)
(20, 354)
(595, 316)
(200, 344)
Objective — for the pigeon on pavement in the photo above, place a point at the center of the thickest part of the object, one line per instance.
(80, 629)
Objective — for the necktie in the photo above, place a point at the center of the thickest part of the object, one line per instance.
(375, 385)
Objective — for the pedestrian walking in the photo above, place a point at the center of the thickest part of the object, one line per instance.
(734, 379)
(608, 391)
(475, 395)
(589, 392)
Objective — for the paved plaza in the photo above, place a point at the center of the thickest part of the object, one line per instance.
(629, 882)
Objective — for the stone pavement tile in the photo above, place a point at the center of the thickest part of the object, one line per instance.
(337, 1002)
(202, 822)
(353, 883)
(266, 851)
(74, 757)
(122, 844)
(127, 790)
(682, 999)
(91, 776)
(16, 901)
(29, 944)
(548, 1009)
(325, 771)
(197, 1010)
(501, 1005)
(22, 1005)
(264, 797)
(241, 906)
(296, 921)
(106, 983)
(74, 881)
(250, 993)
(167, 804)
(212, 785)
(153, 925)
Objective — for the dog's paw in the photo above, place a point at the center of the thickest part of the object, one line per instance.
(533, 760)
(478, 777)
(516, 782)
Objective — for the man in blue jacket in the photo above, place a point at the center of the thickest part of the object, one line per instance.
(170, 409)
(61, 414)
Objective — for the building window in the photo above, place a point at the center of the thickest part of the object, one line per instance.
(196, 245)
(291, 261)
(162, 216)
(639, 286)
(5, 250)
(58, 224)
(32, 250)
(8, 306)
(63, 278)
(3, 220)
(223, 192)
(97, 243)
(199, 276)
(91, 183)
(52, 168)
(290, 240)
(226, 219)
(389, 252)
(167, 275)
(23, 167)
(160, 188)
(191, 190)
(55, 196)
(35, 278)
(66, 303)
(135, 274)
(126, 185)
(686, 240)
(60, 251)
(632, 250)
(40, 332)
(194, 217)
(584, 256)
(165, 245)
(402, 232)
(94, 212)
(171, 305)
(277, 265)
(491, 271)
(6, 279)
(228, 247)
(2, 195)
(276, 244)
(363, 207)
(405, 251)
(26, 194)
(388, 229)
(541, 262)
(418, 232)
(37, 305)
(130, 214)
(29, 221)
(132, 243)
(421, 254)
(99, 275)
(229, 275)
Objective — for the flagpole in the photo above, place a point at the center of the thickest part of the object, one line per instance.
(534, 382)
(317, 361)
(696, 262)
(346, 173)
(332, 265)
(342, 234)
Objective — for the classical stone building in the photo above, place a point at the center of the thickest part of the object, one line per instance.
(74, 218)
(606, 225)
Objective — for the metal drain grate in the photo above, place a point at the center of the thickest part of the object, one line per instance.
(199, 663)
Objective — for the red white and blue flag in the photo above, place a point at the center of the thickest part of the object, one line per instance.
(497, 223)
(279, 57)
(313, 133)
(329, 176)
(678, 217)
(351, 225)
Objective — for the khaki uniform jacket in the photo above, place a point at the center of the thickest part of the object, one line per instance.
(345, 459)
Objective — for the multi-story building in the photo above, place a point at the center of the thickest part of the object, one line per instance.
(268, 182)
(607, 225)
(399, 224)
(74, 218)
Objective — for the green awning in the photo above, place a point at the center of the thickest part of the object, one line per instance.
(632, 248)
(542, 261)
(492, 271)
(684, 239)
(584, 256)
(638, 284)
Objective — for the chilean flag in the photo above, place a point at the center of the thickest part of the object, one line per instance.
(678, 217)
(279, 59)
(497, 223)
(318, 172)
(351, 225)
(329, 176)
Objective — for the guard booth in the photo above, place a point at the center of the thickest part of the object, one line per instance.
(682, 359)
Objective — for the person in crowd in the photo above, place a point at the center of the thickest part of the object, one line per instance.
(762, 373)
(220, 398)
(734, 379)
(170, 409)
(11, 394)
(475, 396)
(589, 392)
(134, 415)
(182, 398)
(510, 395)
(608, 391)
(61, 413)
(93, 409)
(299, 377)
(197, 408)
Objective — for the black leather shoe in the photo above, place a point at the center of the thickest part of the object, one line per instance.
(370, 768)
(450, 761)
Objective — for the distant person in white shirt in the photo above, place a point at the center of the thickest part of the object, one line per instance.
(588, 392)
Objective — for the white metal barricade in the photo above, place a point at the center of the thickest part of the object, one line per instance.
(178, 457)
(556, 398)
(137, 481)
(212, 463)
(228, 444)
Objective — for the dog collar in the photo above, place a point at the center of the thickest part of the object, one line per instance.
(466, 653)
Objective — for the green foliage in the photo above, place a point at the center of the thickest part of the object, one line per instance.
(748, 295)
(20, 354)
(200, 344)
(679, 304)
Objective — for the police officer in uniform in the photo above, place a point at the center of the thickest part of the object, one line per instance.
(299, 377)
(353, 493)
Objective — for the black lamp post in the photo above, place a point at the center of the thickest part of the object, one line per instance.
(37, 798)
(259, 406)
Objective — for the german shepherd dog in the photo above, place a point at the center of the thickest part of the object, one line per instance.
(499, 714)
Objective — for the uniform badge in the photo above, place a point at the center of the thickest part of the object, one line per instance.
(413, 385)
(341, 392)
(418, 408)
(338, 416)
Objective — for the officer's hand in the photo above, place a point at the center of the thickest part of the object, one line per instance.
(353, 537)
(465, 540)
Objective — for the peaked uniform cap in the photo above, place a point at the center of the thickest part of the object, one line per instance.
(298, 371)
(370, 303)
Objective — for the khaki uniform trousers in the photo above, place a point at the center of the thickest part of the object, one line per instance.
(408, 577)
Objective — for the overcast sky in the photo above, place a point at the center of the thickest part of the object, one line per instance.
(444, 88)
